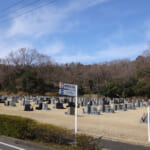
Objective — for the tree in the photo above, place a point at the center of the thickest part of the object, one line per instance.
(112, 89)
(27, 57)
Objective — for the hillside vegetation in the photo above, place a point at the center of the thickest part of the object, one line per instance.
(30, 72)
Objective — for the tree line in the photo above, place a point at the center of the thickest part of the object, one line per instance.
(26, 70)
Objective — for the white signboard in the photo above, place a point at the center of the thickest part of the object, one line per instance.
(67, 92)
(67, 86)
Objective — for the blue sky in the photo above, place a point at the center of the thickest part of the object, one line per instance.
(86, 31)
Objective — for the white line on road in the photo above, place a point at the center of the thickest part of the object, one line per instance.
(18, 148)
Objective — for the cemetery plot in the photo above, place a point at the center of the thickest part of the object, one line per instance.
(111, 118)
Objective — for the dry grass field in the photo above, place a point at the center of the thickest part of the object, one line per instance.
(120, 126)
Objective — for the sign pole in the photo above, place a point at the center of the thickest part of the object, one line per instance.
(148, 124)
(76, 113)
(71, 90)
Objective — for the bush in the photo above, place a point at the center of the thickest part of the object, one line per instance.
(87, 142)
(24, 128)
(50, 133)
(14, 126)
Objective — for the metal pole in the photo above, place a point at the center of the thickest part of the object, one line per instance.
(76, 113)
(148, 125)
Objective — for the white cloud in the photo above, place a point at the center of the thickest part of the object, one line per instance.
(6, 48)
(109, 54)
(119, 52)
(48, 20)
(54, 48)
(38, 23)
(74, 58)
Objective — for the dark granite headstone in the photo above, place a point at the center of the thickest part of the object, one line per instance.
(28, 107)
(59, 105)
(40, 107)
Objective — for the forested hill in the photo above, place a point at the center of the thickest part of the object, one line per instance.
(28, 71)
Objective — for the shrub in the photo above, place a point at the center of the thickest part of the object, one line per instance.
(24, 128)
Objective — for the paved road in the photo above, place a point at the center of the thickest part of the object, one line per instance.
(5, 146)
(8, 143)
(113, 145)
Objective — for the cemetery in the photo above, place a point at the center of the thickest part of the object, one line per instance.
(118, 118)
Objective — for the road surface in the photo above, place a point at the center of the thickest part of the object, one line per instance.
(114, 145)
(8, 143)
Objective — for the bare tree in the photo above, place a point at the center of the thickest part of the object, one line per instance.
(27, 57)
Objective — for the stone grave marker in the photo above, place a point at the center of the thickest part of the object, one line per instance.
(45, 106)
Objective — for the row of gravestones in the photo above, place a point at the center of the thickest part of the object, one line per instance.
(92, 109)
(81, 100)
(84, 102)
(11, 102)
(58, 104)
(119, 104)
(44, 106)
(27, 101)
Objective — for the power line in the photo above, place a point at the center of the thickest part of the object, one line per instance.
(29, 11)
(14, 4)
(26, 6)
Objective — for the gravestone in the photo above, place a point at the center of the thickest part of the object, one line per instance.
(138, 103)
(102, 108)
(87, 109)
(45, 106)
(124, 107)
(53, 101)
(28, 107)
(66, 100)
(107, 108)
(7, 103)
(59, 105)
(118, 106)
(70, 111)
(129, 106)
(115, 107)
(133, 104)
(39, 107)
(11, 103)
(49, 101)
(71, 104)
(2, 100)
(94, 110)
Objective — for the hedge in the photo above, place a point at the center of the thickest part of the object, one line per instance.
(28, 129)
